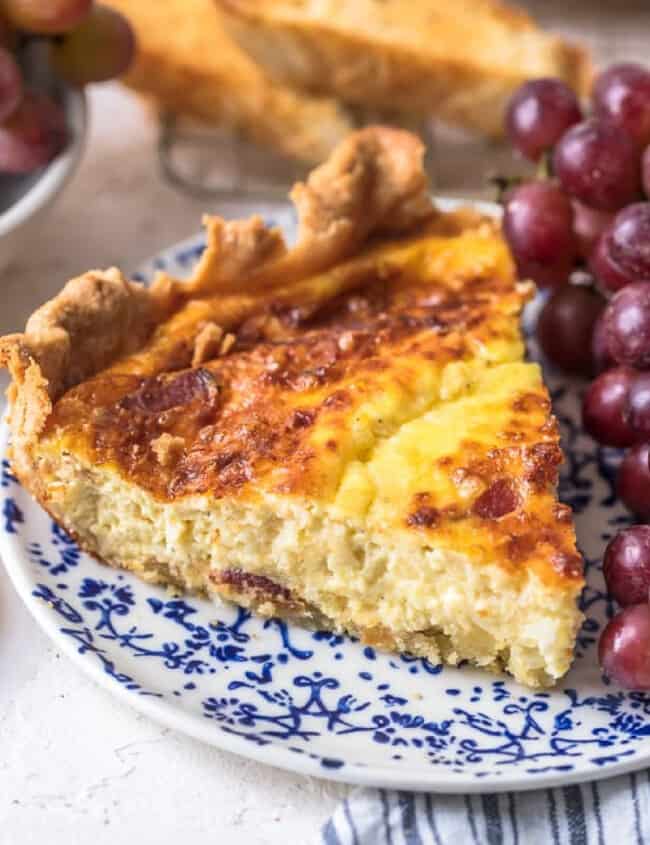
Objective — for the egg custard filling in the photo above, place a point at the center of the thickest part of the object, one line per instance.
(344, 433)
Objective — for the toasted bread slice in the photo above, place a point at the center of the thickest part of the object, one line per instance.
(343, 433)
(188, 64)
(458, 60)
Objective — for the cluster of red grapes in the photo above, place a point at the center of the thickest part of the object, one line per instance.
(582, 229)
(86, 43)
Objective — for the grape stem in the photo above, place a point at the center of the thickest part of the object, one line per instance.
(503, 184)
(544, 170)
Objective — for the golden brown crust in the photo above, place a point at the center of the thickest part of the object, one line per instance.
(186, 63)
(208, 343)
(457, 61)
(293, 364)
(96, 318)
(374, 181)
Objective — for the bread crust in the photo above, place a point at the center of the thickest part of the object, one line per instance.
(456, 61)
(186, 63)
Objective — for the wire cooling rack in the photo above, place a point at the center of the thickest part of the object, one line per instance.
(220, 164)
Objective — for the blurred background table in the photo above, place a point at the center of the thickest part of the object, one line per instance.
(76, 765)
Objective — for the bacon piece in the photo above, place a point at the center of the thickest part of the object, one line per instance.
(160, 394)
(497, 501)
(248, 582)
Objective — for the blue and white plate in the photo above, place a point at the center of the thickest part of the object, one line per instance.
(326, 705)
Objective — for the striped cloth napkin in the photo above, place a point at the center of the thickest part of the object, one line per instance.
(598, 813)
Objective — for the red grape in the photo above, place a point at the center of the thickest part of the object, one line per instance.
(538, 224)
(605, 269)
(627, 317)
(597, 164)
(626, 566)
(633, 482)
(624, 648)
(638, 405)
(11, 84)
(539, 112)
(645, 171)
(601, 356)
(588, 225)
(565, 327)
(46, 17)
(622, 96)
(604, 408)
(100, 48)
(33, 135)
(628, 241)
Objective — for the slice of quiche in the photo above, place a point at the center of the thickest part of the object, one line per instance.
(344, 432)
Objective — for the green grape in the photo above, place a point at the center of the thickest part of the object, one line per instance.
(100, 48)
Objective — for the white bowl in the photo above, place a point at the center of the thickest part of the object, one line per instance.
(33, 194)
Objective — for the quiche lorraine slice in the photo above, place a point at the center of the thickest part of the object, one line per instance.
(344, 432)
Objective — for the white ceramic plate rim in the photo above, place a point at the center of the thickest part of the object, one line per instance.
(17, 566)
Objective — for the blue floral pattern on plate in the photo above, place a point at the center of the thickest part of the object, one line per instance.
(324, 704)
